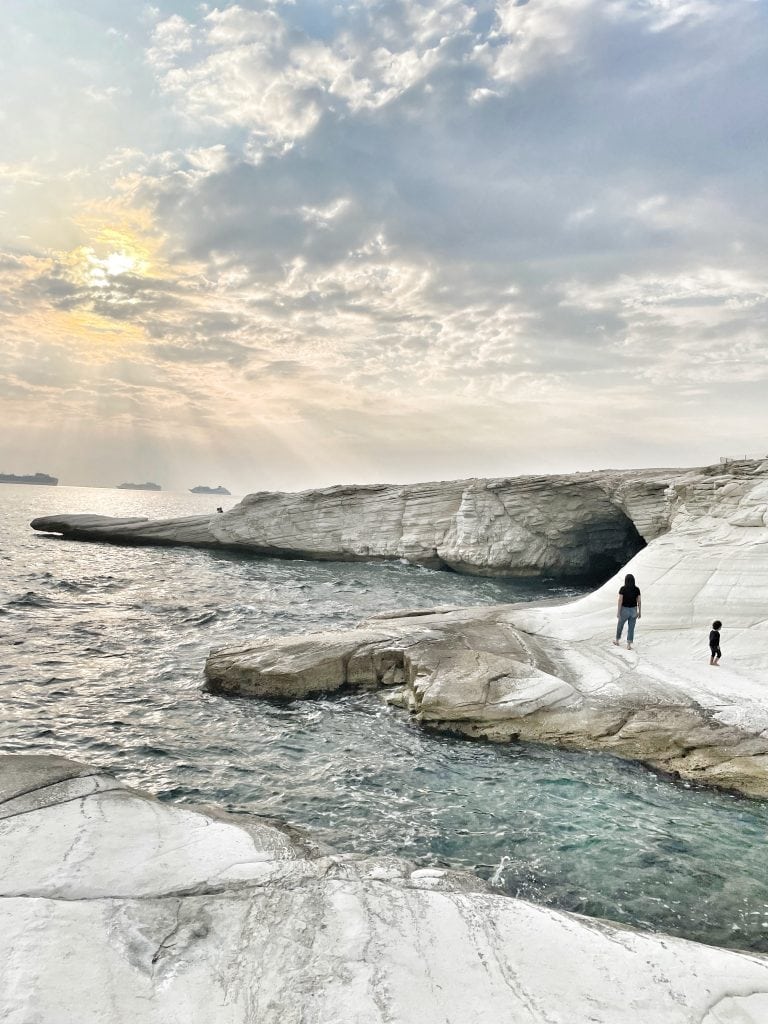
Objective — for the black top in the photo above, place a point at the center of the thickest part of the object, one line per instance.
(629, 595)
(714, 639)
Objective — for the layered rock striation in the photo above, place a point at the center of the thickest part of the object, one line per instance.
(551, 674)
(115, 908)
(580, 525)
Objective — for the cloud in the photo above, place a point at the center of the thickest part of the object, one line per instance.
(700, 327)
(253, 69)
(538, 35)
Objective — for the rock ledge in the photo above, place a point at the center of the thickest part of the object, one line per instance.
(116, 908)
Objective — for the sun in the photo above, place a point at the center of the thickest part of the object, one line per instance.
(118, 241)
(119, 263)
(105, 295)
(101, 270)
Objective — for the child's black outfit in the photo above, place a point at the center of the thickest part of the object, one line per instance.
(714, 643)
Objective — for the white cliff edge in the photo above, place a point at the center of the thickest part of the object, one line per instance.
(116, 908)
(576, 525)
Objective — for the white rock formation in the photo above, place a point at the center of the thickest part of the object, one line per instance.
(189, 530)
(552, 674)
(573, 525)
(548, 674)
(117, 909)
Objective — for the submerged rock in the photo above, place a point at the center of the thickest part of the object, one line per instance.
(115, 908)
(551, 674)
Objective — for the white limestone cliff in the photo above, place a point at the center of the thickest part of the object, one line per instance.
(574, 525)
(117, 909)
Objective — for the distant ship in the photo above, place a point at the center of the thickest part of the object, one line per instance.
(208, 490)
(38, 478)
(139, 487)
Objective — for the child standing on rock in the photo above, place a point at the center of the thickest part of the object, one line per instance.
(714, 642)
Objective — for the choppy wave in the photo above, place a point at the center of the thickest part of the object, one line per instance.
(30, 599)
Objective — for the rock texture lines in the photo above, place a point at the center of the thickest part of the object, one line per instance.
(115, 908)
(577, 525)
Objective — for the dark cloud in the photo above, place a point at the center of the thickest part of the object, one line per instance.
(634, 113)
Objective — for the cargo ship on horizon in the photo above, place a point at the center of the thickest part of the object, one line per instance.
(202, 489)
(29, 478)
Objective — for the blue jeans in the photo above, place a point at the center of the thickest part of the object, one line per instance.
(628, 615)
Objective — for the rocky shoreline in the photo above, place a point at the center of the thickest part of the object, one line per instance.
(551, 674)
(116, 908)
(547, 673)
(472, 672)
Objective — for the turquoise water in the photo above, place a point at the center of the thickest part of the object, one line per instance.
(103, 649)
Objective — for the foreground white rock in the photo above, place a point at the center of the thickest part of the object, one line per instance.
(116, 909)
(551, 674)
(575, 525)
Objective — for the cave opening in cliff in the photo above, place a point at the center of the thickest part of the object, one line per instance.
(618, 541)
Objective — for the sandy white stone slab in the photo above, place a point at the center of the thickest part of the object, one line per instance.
(89, 934)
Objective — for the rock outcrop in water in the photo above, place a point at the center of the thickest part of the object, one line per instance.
(116, 909)
(550, 673)
(584, 524)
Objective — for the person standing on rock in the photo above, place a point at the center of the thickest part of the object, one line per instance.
(628, 610)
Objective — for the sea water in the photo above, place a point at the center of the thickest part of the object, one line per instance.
(102, 655)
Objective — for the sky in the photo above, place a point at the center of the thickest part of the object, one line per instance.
(286, 244)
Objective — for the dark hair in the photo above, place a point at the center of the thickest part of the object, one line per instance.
(629, 580)
(717, 624)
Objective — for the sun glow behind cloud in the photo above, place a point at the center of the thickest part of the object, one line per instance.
(85, 297)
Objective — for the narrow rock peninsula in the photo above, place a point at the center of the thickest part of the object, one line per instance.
(115, 908)
(584, 524)
(552, 674)
(193, 531)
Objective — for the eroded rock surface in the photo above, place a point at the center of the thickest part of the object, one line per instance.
(583, 524)
(551, 673)
(115, 908)
(194, 531)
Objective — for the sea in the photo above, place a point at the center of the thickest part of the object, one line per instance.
(103, 650)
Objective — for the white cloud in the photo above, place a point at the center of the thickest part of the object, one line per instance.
(170, 39)
(704, 326)
(321, 216)
(534, 35)
(666, 14)
(716, 288)
(251, 69)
